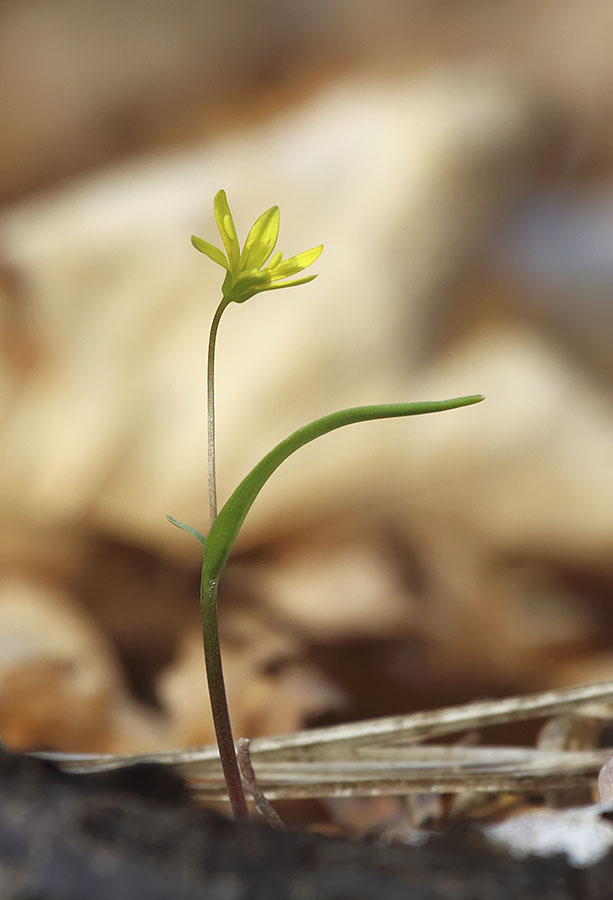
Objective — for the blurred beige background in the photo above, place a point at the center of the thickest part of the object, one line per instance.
(456, 162)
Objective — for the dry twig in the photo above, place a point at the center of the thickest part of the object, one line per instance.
(384, 756)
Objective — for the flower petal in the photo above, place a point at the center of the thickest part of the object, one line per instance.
(261, 240)
(284, 284)
(296, 264)
(209, 250)
(225, 224)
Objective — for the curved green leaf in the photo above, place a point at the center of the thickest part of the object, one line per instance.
(193, 531)
(226, 526)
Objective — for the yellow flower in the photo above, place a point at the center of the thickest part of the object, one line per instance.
(255, 268)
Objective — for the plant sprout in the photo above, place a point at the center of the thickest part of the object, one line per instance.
(252, 270)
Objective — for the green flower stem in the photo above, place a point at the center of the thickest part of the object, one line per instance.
(208, 608)
(219, 702)
(210, 410)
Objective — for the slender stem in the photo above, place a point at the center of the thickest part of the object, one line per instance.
(268, 812)
(210, 410)
(219, 701)
(208, 608)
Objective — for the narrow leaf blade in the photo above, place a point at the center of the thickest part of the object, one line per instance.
(188, 528)
(226, 526)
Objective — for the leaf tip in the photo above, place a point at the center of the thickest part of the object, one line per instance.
(188, 528)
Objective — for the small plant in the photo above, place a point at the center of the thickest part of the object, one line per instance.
(252, 270)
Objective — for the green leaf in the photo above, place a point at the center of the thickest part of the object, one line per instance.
(261, 240)
(226, 526)
(193, 531)
(209, 250)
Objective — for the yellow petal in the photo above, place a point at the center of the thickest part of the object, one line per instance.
(209, 250)
(261, 240)
(284, 284)
(225, 224)
(296, 264)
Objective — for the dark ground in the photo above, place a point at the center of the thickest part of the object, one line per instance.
(134, 835)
